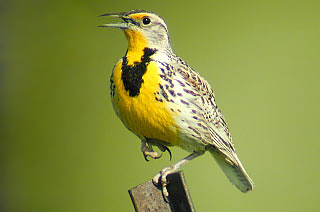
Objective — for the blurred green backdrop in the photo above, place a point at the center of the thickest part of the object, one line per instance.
(63, 149)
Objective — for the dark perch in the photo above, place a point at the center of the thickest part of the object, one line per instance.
(148, 197)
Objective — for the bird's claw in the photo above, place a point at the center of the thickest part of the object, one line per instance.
(160, 179)
(164, 148)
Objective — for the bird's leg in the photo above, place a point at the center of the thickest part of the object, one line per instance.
(162, 175)
(147, 150)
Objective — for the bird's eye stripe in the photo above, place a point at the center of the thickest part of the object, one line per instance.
(129, 20)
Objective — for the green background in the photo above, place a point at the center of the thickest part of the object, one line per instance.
(63, 148)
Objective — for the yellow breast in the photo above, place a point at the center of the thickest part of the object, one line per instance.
(143, 114)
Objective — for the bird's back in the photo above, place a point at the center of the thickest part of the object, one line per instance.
(203, 123)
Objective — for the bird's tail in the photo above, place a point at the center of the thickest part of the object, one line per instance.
(234, 171)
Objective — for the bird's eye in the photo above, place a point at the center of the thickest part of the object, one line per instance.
(146, 21)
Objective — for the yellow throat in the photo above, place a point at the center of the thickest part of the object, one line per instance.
(136, 44)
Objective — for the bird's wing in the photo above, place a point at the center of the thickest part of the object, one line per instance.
(220, 137)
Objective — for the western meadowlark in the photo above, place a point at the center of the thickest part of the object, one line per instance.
(165, 102)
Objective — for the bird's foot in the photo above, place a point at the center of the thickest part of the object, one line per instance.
(148, 151)
(163, 148)
(160, 179)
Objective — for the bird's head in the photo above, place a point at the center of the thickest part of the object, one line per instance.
(142, 29)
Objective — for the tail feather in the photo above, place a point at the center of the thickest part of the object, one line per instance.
(235, 172)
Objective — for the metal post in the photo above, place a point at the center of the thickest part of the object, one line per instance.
(148, 197)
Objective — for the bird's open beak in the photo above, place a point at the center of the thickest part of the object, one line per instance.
(121, 25)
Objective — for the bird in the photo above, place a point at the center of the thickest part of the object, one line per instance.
(165, 102)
